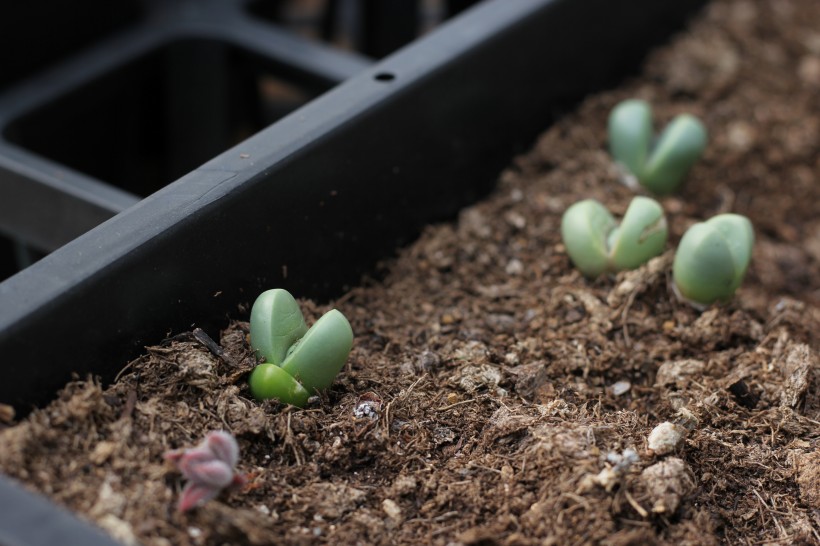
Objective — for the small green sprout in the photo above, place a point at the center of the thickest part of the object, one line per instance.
(712, 259)
(299, 361)
(597, 244)
(659, 164)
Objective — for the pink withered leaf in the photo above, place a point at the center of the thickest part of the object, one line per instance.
(209, 468)
(211, 473)
(195, 494)
(223, 446)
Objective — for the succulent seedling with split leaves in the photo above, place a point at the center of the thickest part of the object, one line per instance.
(299, 361)
(597, 244)
(208, 467)
(712, 259)
(659, 164)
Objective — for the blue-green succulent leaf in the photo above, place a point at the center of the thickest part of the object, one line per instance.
(641, 235)
(712, 258)
(585, 227)
(739, 235)
(630, 134)
(680, 145)
(322, 352)
(276, 324)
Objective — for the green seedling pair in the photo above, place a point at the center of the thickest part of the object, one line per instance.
(712, 259)
(710, 263)
(597, 243)
(298, 361)
(659, 164)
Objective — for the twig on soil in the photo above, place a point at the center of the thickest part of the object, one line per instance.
(577, 498)
(580, 503)
(204, 339)
(634, 504)
(386, 420)
(404, 394)
(289, 440)
(438, 519)
(443, 530)
(781, 540)
(625, 317)
(635, 523)
(451, 406)
(401, 398)
(482, 467)
(125, 369)
(770, 511)
(130, 404)
(419, 458)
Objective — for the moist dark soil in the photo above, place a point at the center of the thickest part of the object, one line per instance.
(493, 394)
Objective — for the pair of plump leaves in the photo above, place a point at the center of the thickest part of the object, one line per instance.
(712, 259)
(659, 164)
(596, 243)
(299, 361)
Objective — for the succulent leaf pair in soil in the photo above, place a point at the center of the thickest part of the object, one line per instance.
(597, 244)
(299, 361)
(659, 164)
(208, 467)
(712, 259)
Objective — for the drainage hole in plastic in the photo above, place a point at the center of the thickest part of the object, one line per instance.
(385, 77)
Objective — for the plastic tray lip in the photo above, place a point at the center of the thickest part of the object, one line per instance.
(454, 37)
(24, 162)
(30, 519)
(29, 176)
(242, 165)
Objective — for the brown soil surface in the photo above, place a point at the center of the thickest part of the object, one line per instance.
(504, 387)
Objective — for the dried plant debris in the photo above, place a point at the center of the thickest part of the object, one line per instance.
(808, 478)
(494, 396)
(796, 365)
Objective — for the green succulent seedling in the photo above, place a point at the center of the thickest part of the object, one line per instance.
(299, 360)
(596, 243)
(661, 164)
(712, 259)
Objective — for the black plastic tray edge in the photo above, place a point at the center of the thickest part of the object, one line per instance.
(76, 201)
(29, 519)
